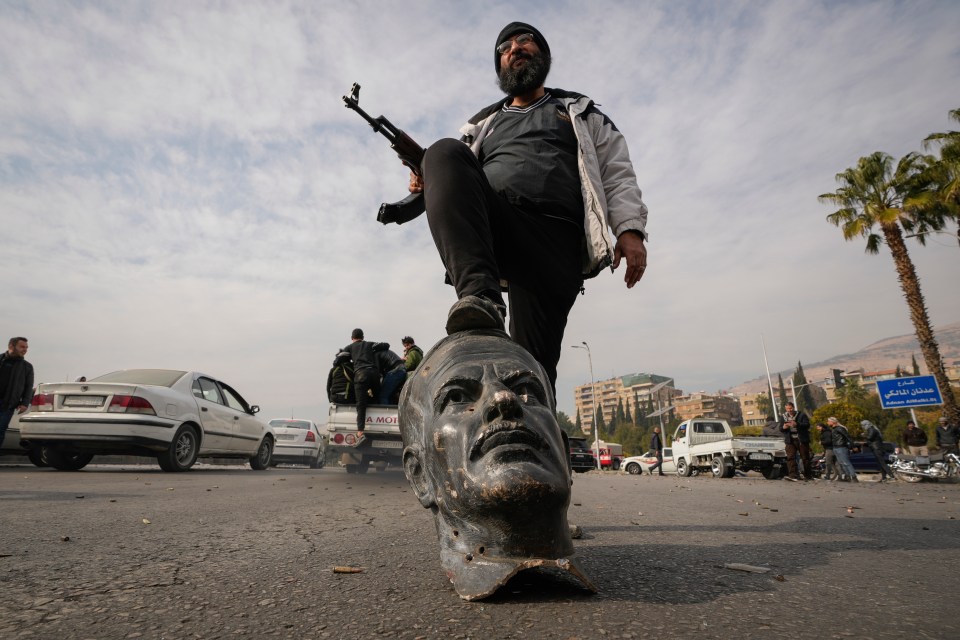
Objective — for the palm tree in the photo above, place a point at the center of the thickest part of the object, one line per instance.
(875, 194)
(948, 165)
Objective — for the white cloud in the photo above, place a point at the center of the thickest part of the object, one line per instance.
(183, 186)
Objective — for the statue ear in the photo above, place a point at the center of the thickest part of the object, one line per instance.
(416, 475)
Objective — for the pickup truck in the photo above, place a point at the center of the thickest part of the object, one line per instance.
(703, 443)
(382, 430)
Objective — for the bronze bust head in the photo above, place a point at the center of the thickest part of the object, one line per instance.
(484, 452)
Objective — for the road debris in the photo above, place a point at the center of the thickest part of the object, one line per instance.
(749, 568)
(348, 569)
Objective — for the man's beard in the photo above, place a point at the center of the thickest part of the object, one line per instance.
(523, 80)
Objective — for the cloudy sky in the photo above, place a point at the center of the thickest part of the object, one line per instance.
(182, 187)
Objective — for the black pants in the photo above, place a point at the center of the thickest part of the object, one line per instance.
(366, 382)
(482, 239)
(803, 449)
(877, 450)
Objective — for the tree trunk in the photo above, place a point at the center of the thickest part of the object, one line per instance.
(921, 320)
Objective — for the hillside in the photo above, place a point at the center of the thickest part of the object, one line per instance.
(883, 354)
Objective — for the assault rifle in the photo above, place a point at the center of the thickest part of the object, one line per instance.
(411, 154)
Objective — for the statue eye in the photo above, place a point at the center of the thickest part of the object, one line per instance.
(529, 392)
(455, 395)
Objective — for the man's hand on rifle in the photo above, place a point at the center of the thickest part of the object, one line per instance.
(416, 183)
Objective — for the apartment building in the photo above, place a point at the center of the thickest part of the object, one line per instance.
(706, 405)
(633, 390)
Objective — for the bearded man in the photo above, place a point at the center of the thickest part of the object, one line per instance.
(528, 200)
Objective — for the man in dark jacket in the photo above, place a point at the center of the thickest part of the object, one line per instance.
(16, 382)
(841, 448)
(657, 445)
(340, 380)
(875, 441)
(795, 426)
(366, 377)
(393, 369)
(830, 469)
(948, 436)
(915, 440)
(528, 200)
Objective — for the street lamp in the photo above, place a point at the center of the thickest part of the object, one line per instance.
(593, 392)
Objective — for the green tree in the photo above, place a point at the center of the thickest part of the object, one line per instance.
(852, 391)
(567, 426)
(764, 406)
(579, 421)
(599, 424)
(805, 401)
(781, 393)
(629, 416)
(913, 363)
(878, 195)
(944, 171)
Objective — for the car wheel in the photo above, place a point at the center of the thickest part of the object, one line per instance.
(906, 477)
(683, 469)
(633, 469)
(716, 467)
(182, 452)
(38, 456)
(261, 461)
(68, 460)
(321, 459)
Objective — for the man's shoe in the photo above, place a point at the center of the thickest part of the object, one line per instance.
(475, 312)
(792, 479)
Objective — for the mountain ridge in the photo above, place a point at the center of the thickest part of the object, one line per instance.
(885, 353)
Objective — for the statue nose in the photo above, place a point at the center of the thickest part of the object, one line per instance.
(505, 404)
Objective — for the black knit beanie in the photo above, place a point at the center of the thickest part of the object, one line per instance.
(513, 29)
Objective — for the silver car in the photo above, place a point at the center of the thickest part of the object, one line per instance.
(174, 416)
(298, 442)
(635, 465)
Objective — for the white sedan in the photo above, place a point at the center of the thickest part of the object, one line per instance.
(298, 442)
(174, 416)
(635, 465)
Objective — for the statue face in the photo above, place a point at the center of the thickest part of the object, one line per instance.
(491, 441)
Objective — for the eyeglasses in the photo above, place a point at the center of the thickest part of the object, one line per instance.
(521, 40)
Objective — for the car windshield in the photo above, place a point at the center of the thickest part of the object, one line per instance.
(152, 377)
(578, 445)
(290, 424)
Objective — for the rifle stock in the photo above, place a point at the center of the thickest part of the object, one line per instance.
(410, 153)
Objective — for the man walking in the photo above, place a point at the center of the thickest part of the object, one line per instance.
(528, 200)
(795, 427)
(875, 442)
(657, 445)
(16, 382)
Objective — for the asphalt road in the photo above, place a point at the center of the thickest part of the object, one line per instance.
(111, 552)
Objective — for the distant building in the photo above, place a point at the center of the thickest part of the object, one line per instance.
(705, 405)
(633, 390)
(750, 409)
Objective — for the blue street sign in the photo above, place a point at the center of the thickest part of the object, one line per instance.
(901, 393)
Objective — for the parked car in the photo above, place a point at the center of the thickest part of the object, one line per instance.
(11, 444)
(172, 415)
(581, 455)
(636, 465)
(298, 442)
(861, 456)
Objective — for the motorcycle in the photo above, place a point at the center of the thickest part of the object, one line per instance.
(936, 467)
